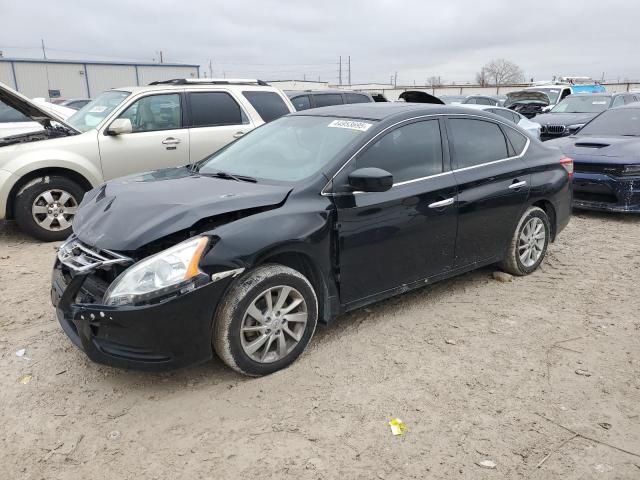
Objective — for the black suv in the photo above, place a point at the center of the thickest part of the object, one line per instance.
(305, 218)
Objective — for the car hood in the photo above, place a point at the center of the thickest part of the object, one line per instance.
(31, 109)
(563, 118)
(615, 148)
(133, 211)
(524, 96)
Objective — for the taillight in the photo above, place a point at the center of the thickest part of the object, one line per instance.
(567, 163)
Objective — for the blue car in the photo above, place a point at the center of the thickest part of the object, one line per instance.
(606, 154)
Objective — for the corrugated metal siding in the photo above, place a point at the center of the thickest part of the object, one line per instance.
(155, 73)
(6, 76)
(106, 77)
(36, 79)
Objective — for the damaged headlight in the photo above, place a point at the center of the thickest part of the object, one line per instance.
(173, 269)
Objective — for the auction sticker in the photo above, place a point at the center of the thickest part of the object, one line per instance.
(361, 126)
(98, 109)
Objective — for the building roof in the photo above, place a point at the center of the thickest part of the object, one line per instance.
(95, 62)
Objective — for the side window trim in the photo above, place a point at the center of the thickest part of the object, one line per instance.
(126, 107)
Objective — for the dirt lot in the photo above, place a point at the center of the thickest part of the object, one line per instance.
(471, 365)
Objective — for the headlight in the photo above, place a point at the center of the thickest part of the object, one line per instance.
(631, 170)
(575, 127)
(170, 270)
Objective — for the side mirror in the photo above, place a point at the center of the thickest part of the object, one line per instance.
(120, 126)
(370, 180)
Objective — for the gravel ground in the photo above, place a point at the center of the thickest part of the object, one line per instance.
(476, 368)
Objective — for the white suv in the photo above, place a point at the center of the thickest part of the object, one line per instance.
(44, 174)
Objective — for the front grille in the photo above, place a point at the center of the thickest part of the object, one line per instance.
(81, 258)
(603, 168)
(554, 129)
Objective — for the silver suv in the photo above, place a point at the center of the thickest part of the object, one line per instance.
(44, 174)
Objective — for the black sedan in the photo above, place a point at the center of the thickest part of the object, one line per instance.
(607, 161)
(307, 217)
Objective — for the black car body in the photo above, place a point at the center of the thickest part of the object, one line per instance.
(606, 155)
(573, 112)
(458, 183)
(306, 99)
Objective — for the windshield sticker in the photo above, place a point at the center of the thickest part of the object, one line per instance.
(599, 102)
(361, 126)
(97, 109)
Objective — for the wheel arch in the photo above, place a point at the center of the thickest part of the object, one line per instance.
(550, 210)
(43, 172)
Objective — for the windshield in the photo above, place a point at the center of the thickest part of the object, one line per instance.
(94, 112)
(289, 149)
(582, 104)
(552, 93)
(615, 122)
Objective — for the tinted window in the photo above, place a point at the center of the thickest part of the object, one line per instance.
(357, 98)
(409, 152)
(209, 109)
(470, 101)
(268, 104)
(628, 99)
(484, 101)
(506, 114)
(327, 99)
(518, 141)
(617, 101)
(155, 112)
(301, 103)
(476, 142)
(10, 114)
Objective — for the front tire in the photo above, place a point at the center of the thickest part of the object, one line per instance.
(266, 320)
(46, 206)
(529, 243)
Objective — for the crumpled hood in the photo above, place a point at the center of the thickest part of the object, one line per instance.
(130, 212)
(31, 109)
(565, 119)
(581, 147)
(523, 96)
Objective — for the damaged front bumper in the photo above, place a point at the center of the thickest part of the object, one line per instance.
(170, 334)
(601, 192)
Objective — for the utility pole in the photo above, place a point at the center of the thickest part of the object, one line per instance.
(210, 68)
(161, 59)
(44, 52)
(349, 69)
(395, 80)
(340, 70)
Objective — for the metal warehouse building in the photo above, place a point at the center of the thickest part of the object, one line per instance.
(84, 79)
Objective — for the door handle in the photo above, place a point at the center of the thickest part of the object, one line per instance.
(170, 141)
(442, 203)
(516, 185)
(238, 134)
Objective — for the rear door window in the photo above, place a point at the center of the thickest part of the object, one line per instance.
(301, 103)
(357, 98)
(269, 105)
(326, 99)
(506, 114)
(212, 109)
(476, 142)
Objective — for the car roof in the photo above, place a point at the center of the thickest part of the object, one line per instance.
(387, 110)
(293, 93)
(194, 86)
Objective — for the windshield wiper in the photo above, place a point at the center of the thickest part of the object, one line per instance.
(229, 176)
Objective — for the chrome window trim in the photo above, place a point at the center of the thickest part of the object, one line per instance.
(434, 115)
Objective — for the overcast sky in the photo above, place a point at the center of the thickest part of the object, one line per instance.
(288, 39)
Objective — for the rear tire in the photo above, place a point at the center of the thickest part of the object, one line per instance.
(529, 243)
(46, 206)
(266, 320)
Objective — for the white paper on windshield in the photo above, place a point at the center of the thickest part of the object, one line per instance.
(97, 109)
(600, 103)
(350, 124)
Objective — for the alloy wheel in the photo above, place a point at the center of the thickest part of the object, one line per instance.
(273, 324)
(531, 242)
(54, 210)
